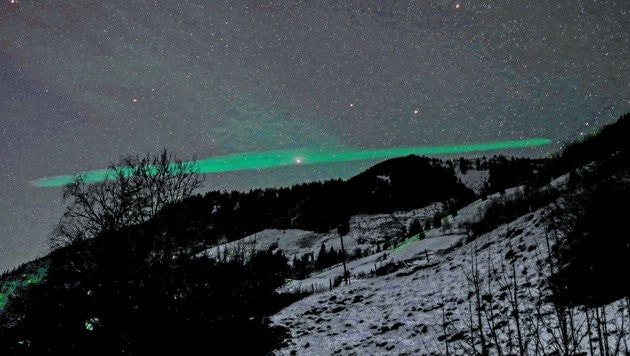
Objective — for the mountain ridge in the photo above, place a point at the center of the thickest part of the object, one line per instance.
(151, 275)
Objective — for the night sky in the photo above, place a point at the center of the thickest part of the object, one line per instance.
(85, 82)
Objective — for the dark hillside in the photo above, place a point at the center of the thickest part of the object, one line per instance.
(610, 139)
(405, 183)
(122, 292)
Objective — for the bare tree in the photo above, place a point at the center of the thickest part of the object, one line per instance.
(475, 280)
(445, 323)
(132, 192)
(489, 312)
(344, 229)
(510, 284)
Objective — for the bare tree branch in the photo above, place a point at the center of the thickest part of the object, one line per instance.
(134, 191)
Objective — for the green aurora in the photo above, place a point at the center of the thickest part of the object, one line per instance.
(283, 158)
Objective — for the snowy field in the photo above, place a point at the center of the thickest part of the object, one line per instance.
(365, 231)
(424, 306)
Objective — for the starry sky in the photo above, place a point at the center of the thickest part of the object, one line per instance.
(84, 82)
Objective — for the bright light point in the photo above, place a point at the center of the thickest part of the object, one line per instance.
(351, 105)
(416, 111)
(13, 1)
(457, 6)
(135, 100)
(298, 160)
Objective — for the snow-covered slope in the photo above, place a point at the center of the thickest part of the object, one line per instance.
(292, 241)
(428, 303)
(400, 313)
(473, 179)
(360, 268)
(365, 232)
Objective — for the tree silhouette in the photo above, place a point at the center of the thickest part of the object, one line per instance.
(344, 229)
(132, 192)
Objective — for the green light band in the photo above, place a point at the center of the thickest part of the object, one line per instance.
(283, 158)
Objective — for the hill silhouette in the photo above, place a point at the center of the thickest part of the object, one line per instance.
(140, 289)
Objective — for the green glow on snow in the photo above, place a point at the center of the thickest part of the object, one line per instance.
(7, 288)
(406, 243)
(284, 158)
